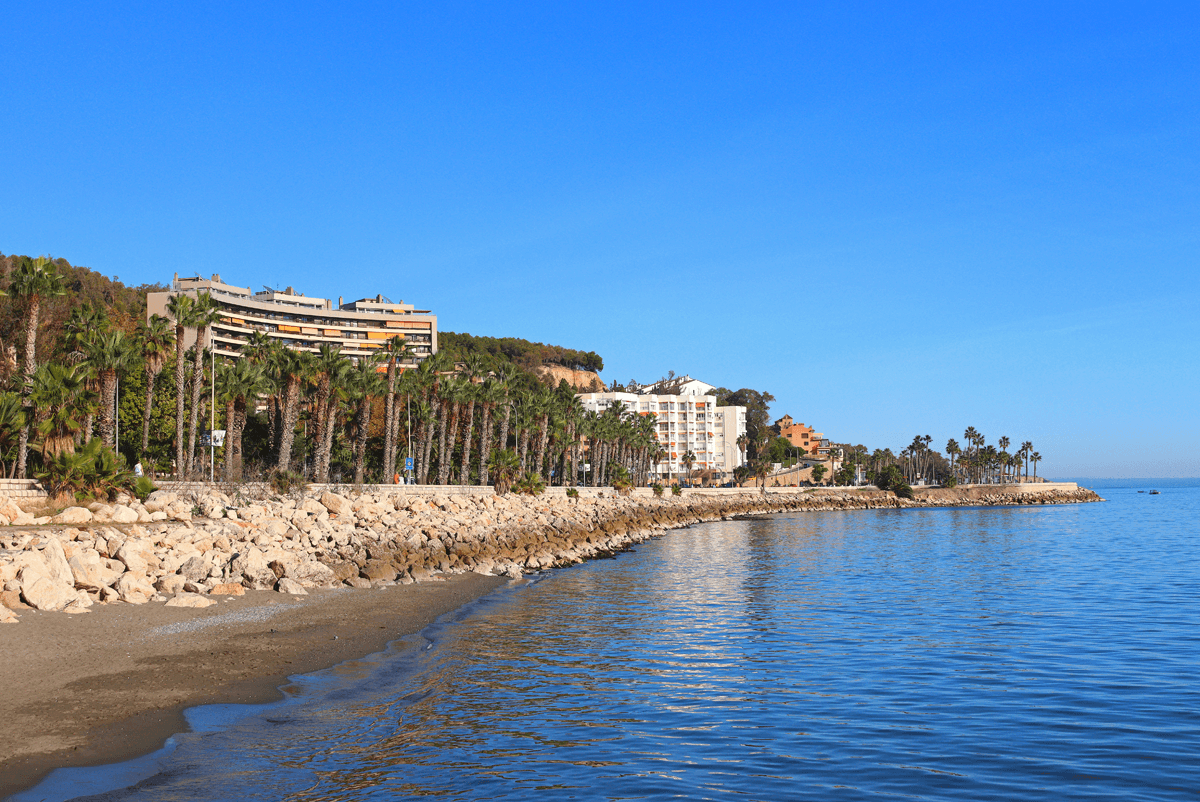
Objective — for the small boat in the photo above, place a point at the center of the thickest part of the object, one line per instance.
(1155, 493)
(1141, 491)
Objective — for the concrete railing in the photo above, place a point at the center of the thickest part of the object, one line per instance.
(21, 488)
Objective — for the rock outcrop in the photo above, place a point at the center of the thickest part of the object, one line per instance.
(370, 539)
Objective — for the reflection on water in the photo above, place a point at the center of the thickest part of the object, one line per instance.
(1040, 653)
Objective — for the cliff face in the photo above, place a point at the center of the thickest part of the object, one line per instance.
(582, 380)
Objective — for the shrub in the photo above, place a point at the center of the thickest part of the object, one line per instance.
(658, 489)
(94, 471)
(903, 490)
(619, 478)
(143, 487)
(287, 482)
(572, 493)
(503, 465)
(676, 490)
(950, 482)
(530, 484)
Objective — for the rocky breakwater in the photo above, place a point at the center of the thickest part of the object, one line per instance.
(184, 550)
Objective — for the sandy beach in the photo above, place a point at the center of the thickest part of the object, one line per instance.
(112, 684)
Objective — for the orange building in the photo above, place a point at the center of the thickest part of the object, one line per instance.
(802, 436)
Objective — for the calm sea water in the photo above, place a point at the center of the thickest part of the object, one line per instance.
(965, 654)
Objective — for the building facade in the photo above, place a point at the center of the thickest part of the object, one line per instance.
(685, 422)
(359, 328)
(803, 436)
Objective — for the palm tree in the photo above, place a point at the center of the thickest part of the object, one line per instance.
(293, 369)
(109, 354)
(61, 397)
(330, 370)
(1035, 458)
(12, 420)
(396, 351)
(33, 281)
(157, 341)
(180, 307)
(365, 385)
(491, 394)
(1026, 450)
(952, 450)
(205, 312)
(688, 460)
(237, 383)
(503, 467)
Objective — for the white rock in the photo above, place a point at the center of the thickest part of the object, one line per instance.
(136, 554)
(190, 600)
(7, 616)
(134, 589)
(171, 584)
(291, 586)
(45, 594)
(73, 515)
(124, 515)
(56, 562)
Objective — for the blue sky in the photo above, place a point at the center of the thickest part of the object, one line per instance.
(899, 219)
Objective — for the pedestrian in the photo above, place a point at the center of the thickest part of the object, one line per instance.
(396, 478)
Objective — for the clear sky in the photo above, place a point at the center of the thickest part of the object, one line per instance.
(899, 218)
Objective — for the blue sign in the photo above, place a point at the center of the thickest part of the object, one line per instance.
(408, 463)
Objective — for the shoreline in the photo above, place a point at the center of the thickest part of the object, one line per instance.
(113, 684)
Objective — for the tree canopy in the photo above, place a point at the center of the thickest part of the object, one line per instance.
(522, 353)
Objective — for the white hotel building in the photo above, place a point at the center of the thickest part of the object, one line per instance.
(688, 420)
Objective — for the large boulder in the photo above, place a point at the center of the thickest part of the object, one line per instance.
(92, 572)
(124, 515)
(43, 593)
(312, 574)
(189, 600)
(55, 559)
(227, 589)
(7, 616)
(255, 569)
(72, 516)
(137, 555)
(171, 584)
(195, 569)
(134, 589)
(337, 505)
(291, 586)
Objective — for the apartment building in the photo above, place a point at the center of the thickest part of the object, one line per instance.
(359, 328)
(689, 421)
(803, 436)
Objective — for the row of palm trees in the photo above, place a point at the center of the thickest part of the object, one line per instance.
(977, 463)
(455, 422)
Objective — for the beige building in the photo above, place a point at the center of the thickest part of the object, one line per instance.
(359, 328)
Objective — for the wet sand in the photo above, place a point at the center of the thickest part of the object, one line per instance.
(112, 684)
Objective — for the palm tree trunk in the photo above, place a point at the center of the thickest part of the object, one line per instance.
(227, 469)
(523, 445)
(236, 429)
(107, 395)
(197, 386)
(446, 467)
(389, 423)
(327, 436)
(27, 386)
(464, 473)
(150, 380)
(502, 442)
(287, 423)
(443, 432)
(362, 424)
(485, 443)
(180, 465)
(543, 437)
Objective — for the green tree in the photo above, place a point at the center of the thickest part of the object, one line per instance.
(157, 340)
(180, 308)
(205, 312)
(32, 282)
(819, 471)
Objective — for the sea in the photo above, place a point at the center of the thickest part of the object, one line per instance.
(1016, 653)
